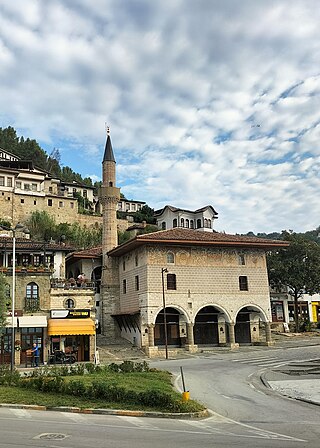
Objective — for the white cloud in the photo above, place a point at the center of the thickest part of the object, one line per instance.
(208, 102)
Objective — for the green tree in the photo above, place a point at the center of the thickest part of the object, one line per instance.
(145, 214)
(42, 226)
(296, 267)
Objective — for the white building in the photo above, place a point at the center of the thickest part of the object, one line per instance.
(201, 219)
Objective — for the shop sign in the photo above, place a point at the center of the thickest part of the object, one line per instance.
(69, 314)
(78, 314)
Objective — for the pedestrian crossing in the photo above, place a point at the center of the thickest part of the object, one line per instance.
(261, 361)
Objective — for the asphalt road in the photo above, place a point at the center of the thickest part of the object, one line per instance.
(245, 413)
(229, 384)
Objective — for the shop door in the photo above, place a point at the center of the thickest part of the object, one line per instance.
(29, 336)
(242, 329)
(206, 327)
(173, 334)
(5, 348)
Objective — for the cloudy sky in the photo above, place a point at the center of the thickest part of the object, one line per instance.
(209, 101)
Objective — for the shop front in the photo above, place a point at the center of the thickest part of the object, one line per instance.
(32, 330)
(72, 332)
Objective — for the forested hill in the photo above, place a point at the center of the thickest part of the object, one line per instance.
(312, 235)
(28, 149)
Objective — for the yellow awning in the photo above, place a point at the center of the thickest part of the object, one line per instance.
(57, 327)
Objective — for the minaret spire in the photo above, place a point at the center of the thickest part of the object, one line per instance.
(109, 196)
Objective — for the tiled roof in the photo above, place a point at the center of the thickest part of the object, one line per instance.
(181, 236)
(26, 244)
(175, 209)
(93, 252)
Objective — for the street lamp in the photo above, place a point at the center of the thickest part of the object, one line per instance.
(20, 228)
(163, 270)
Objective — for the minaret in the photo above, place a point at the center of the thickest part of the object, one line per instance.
(109, 196)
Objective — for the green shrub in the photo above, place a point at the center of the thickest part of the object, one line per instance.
(75, 387)
(8, 378)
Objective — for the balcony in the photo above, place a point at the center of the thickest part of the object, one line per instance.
(31, 304)
(65, 284)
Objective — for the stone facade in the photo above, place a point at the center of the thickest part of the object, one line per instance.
(215, 290)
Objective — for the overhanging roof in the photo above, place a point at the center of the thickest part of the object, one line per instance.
(188, 237)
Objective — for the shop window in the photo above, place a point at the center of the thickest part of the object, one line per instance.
(243, 283)
(137, 282)
(170, 257)
(69, 304)
(171, 281)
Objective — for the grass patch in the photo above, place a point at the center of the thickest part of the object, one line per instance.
(104, 388)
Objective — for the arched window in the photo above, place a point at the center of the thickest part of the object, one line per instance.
(182, 222)
(69, 304)
(209, 223)
(163, 225)
(205, 222)
(199, 224)
(191, 224)
(187, 223)
(32, 291)
(170, 257)
(174, 222)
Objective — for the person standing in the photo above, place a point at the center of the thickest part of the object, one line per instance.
(35, 354)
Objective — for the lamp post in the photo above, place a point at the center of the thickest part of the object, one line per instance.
(21, 228)
(163, 270)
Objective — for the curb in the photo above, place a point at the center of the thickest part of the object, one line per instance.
(267, 385)
(188, 415)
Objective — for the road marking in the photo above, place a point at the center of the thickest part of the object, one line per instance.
(260, 433)
(21, 413)
(77, 418)
(254, 360)
(139, 422)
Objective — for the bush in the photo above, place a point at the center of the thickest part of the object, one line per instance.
(8, 378)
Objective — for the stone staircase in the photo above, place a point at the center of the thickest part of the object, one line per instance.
(118, 350)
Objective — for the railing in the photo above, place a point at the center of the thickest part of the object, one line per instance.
(31, 304)
(65, 284)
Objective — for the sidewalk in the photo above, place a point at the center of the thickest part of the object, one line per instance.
(300, 381)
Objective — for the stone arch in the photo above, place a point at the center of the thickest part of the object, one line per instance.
(174, 323)
(247, 324)
(210, 325)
